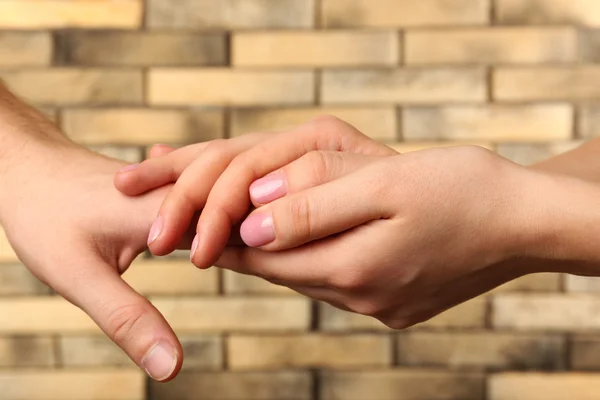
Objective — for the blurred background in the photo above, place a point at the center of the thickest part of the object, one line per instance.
(516, 76)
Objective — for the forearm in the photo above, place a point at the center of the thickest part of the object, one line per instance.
(582, 162)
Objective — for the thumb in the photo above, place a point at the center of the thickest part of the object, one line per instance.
(127, 318)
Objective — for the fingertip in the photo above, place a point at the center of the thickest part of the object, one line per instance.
(163, 361)
(213, 236)
(159, 150)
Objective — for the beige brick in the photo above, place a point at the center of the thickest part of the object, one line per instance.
(401, 385)
(35, 14)
(403, 13)
(26, 352)
(527, 154)
(481, 349)
(236, 314)
(15, 279)
(68, 86)
(582, 284)
(407, 147)
(585, 353)
(530, 123)
(314, 351)
(589, 45)
(538, 386)
(553, 312)
(527, 12)
(546, 83)
(42, 315)
(128, 154)
(409, 85)
(7, 253)
(174, 277)
(491, 46)
(200, 352)
(25, 49)
(240, 284)
(142, 48)
(467, 315)
(231, 14)
(589, 121)
(116, 384)
(142, 126)
(546, 282)
(235, 386)
(377, 122)
(315, 49)
(230, 87)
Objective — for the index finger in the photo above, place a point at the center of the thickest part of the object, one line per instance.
(229, 199)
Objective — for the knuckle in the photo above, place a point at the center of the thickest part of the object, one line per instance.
(318, 166)
(124, 322)
(216, 146)
(300, 215)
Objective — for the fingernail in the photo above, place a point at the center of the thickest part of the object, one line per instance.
(258, 229)
(155, 230)
(194, 247)
(160, 361)
(269, 188)
(130, 167)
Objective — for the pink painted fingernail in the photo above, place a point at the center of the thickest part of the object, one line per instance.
(258, 229)
(130, 167)
(155, 230)
(194, 248)
(269, 188)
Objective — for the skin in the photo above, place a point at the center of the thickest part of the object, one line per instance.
(77, 234)
(397, 237)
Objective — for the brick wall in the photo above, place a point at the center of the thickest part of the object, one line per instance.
(517, 76)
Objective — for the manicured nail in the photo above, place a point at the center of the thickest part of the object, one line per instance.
(194, 248)
(155, 230)
(130, 167)
(160, 361)
(269, 188)
(258, 229)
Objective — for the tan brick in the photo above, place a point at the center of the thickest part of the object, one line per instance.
(585, 353)
(589, 45)
(142, 48)
(481, 349)
(506, 123)
(315, 49)
(240, 284)
(408, 85)
(589, 121)
(232, 14)
(467, 315)
(34, 14)
(403, 13)
(26, 352)
(25, 49)
(68, 86)
(582, 284)
(314, 351)
(491, 46)
(401, 385)
(407, 147)
(235, 386)
(547, 282)
(527, 12)
(142, 126)
(128, 154)
(527, 154)
(171, 277)
(42, 315)
(200, 352)
(116, 384)
(235, 314)
(554, 312)
(377, 122)
(15, 279)
(7, 254)
(538, 386)
(230, 87)
(546, 83)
